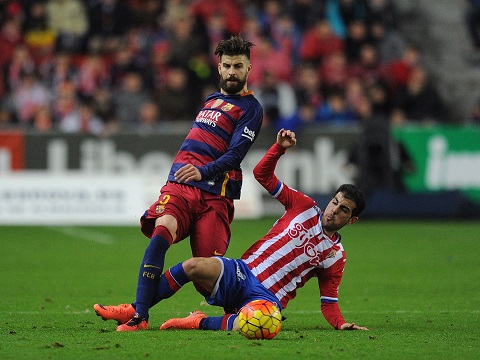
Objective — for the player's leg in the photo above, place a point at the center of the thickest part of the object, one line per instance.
(211, 233)
(223, 292)
(152, 263)
(171, 218)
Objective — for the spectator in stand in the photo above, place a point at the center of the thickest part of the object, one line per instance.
(82, 120)
(473, 22)
(216, 30)
(28, 97)
(149, 119)
(39, 38)
(319, 41)
(369, 68)
(64, 99)
(123, 63)
(355, 94)
(6, 118)
(10, 37)
(104, 106)
(109, 21)
(335, 110)
(277, 98)
(419, 101)
(176, 99)
(159, 64)
(129, 99)
(304, 116)
(308, 86)
(59, 69)
(380, 100)
(145, 12)
(93, 72)
(231, 9)
(185, 42)
(287, 35)
(390, 44)
(68, 18)
(43, 121)
(357, 36)
(399, 70)
(305, 12)
(268, 58)
(334, 71)
(20, 63)
(383, 11)
(341, 13)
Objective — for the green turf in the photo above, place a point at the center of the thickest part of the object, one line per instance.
(416, 285)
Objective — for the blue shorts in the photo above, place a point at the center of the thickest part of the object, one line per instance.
(237, 286)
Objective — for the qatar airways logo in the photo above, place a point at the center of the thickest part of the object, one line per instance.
(209, 117)
(249, 134)
(302, 238)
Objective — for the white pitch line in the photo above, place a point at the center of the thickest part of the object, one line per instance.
(84, 234)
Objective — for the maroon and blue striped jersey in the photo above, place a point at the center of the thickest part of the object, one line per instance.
(220, 137)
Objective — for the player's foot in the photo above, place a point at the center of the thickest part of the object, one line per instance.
(190, 322)
(136, 323)
(121, 313)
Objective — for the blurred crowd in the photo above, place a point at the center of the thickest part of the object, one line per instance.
(104, 66)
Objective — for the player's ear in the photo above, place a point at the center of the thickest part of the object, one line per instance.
(352, 220)
(219, 69)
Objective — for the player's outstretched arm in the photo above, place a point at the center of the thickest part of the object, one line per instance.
(352, 326)
(286, 138)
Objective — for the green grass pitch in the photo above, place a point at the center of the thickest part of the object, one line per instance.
(416, 285)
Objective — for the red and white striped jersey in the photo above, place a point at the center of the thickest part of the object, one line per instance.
(296, 249)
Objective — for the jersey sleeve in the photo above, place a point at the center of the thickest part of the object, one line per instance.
(328, 282)
(264, 173)
(245, 133)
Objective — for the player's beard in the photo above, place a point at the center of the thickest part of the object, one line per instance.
(232, 88)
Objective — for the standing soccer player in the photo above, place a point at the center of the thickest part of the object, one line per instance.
(204, 180)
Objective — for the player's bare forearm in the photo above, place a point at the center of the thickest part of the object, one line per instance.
(352, 326)
(188, 173)
(286, 138)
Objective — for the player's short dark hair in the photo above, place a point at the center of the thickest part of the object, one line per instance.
(353, 193)
(236, 45)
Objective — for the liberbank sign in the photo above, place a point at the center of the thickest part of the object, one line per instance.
(74, 179)
(88, 180)
(446, 158)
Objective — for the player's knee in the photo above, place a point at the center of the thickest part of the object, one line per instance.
(169, 223)
(192, 267)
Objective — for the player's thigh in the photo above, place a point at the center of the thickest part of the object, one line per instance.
(211, 233)
(203, 271)
(173, 209)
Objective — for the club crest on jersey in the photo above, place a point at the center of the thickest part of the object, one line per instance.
(160, 208)
(331, 254)
(227, 107)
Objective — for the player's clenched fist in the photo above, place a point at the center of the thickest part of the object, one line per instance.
(286, 138)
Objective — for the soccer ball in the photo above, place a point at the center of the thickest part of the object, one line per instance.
(259, 319)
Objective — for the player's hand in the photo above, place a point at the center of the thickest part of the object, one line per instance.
(286, 138)
(352, 326)
(187, 173)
